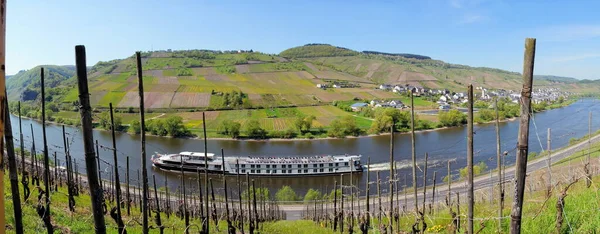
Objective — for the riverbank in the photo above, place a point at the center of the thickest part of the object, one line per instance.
(318, 132)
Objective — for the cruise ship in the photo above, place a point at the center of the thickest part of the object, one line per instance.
(259, 166)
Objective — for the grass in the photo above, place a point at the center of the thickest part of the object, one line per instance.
(81, 221)
(113, 97)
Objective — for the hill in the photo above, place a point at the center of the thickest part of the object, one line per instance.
(559, 79)
(316, 50)
(244, 86)
(25, 85)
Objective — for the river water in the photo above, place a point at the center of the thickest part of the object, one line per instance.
(442, 145)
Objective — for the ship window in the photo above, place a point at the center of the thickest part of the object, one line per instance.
(314, 165)
(305, 171)
(299, 166)
(252, 166)
(282, 171)
(314, 170)
(299, 171)
(274, 166)
(321, 170)
(268, 166)
(217, 166)
(330, 169)
(268, 171)
(251, 171)
(289, 171)
(258, 171)
(331, 164)
(289, 166)
(321, 165)
(305, 165)
(337, 164)
(243, 171)
(346, 164)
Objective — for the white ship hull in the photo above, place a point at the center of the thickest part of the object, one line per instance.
(259, 166)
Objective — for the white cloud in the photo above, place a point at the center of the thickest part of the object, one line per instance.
(472, 18)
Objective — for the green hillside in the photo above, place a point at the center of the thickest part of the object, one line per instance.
(316, 50)
(560, 79)
(248, 87)
(25, 85)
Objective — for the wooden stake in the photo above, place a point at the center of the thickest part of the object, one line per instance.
(255, 211)
(34, 165)
(424, 193)
(250, 222)
(185, 209)
(69, 172)
(368, 191)
(335, 213)
(25, 176)
(239, 182)
(391, 210)
(127, 189)
(414, 149)
(433, 194)
(229, 225)
(143, 141)
(549, 165)
(46, 217)
(158, 221)
(499, 169)
(2, 120)
(379, 198)
(207, 229)
(470, 193)
(116, 166)
(12, 168)
(88, 141)
(522, 146)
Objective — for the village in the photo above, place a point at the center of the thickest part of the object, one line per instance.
(446, 98)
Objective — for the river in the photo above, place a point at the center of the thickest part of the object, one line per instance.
(442, 145)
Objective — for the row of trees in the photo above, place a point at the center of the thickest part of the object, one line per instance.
(286, 193)
(171, 126)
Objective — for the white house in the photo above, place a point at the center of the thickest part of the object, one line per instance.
(385, 87)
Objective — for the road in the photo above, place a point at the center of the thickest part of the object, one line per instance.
(294, 212)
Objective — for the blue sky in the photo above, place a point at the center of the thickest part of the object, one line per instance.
(471, 32)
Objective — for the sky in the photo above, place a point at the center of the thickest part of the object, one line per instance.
(480, 33)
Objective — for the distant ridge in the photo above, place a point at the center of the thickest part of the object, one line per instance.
(415, 56)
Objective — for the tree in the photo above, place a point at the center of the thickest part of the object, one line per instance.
(253, 130)
(477, 170)
(312, 195)
(487, 115)
(334, 193)
(351, 128)
(229, 128)
(261, 194)
(135, 126)
(304, 123)
(174, 126)
(343, 127)
(286, 193)
(336, 129)
(452, 118)
(104, 121)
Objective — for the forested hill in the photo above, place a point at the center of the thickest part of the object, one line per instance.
(25, 85)
(317, 50)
